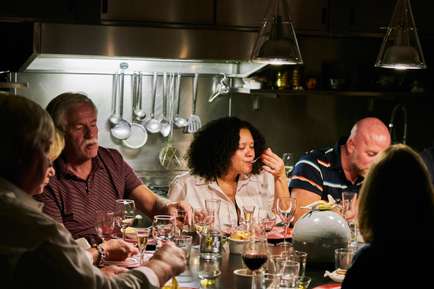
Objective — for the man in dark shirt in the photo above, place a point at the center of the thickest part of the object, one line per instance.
(90, 177)
(340, 168)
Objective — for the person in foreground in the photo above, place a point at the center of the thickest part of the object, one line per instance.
(396, 219)
(225, 160)
(331, 171)
(37, 251)
(90, 177)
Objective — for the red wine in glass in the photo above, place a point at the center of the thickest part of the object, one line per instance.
(254, 261)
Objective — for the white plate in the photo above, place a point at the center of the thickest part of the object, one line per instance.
(335, 276)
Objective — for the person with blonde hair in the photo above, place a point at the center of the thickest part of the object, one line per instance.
(35, 250)
(396, 219)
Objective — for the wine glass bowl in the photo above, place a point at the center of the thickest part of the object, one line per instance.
(286, 209)
(255, 255)
(104, 225)
(125, 212)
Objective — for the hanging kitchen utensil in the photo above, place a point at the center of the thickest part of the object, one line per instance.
(169, 156)
(138, 111)
(122, 129)
(194, 122)
(138, 135)
(165, 122)
(178, 120)
(114, 117)
(153, 125)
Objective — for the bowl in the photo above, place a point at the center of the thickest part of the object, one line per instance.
(243, 278)
(236, 246)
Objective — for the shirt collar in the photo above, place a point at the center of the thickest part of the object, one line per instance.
(61, 168)
(200, 181)
(11, 191)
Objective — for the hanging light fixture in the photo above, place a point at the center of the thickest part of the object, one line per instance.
(401, 47)
(276, 42)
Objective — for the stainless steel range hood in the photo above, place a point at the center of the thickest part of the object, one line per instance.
(67, 48)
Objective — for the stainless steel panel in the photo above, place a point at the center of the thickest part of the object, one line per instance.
(149, 42)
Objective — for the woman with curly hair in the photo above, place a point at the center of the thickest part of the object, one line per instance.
(396, 219)
(229, 161)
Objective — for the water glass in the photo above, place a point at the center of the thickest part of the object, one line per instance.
(184, 242)
(300, 257)
(304, 282)
(290, 272)
(343, 259)
(163, 228)
(271, 280)
(349, 212)
(104, 224)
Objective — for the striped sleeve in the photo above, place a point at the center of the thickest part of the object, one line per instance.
(307, 175)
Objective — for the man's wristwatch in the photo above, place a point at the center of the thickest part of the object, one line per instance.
(101, 255)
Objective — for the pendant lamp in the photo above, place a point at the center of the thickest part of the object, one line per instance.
(401, 46)
(276, 42)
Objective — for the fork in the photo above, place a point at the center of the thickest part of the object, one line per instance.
(194, 122)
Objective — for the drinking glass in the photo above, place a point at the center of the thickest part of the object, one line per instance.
(248, 211)
(140, 237)
(255, 255)
(288, 162)
(104, 224)
(343, 259)
(290, 271)
(271, 280)
(163, 228)
(300, 257)
(184, 242)
(125, 211)
(209, 271)
(304, 282)
(349, 212)
(286, 209)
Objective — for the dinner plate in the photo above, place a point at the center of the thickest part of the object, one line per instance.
(276, 235)
(328, 286)
(131, 262)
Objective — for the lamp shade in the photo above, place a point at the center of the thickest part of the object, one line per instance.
(401, 47)
(276, 42)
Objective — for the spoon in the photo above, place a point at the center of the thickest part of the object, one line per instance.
(255, 160)
(165, 123)
(139, 112)
(122, 129)
(178, 120)
(153, 125)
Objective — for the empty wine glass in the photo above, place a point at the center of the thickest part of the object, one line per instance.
(349, 212)
(104, 224)
(288, 162)
(286, 209)
(255, 255)
(125, 211)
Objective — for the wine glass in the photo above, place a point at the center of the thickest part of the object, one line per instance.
(349, 212)
(163, 228)
(255, 255)
(248, 211)
(140, 237)
(288, 162)
(104, 224)
(286, 209)
(125, 213)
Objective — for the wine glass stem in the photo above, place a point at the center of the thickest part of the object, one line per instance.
(254, 279)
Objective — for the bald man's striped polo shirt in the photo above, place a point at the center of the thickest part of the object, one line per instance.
(320, 171)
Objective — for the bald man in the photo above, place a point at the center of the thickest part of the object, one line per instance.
(331, 171)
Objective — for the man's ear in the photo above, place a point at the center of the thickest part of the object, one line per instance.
(351, 146)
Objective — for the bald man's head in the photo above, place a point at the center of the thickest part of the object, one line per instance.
(369, 136)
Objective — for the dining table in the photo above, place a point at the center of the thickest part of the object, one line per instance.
(228, 262)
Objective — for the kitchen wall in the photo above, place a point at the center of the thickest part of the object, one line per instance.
(291, 122)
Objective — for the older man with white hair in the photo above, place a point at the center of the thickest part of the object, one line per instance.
(35, 250)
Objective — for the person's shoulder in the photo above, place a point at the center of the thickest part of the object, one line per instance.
(109, 154)
(321, 155)
(185, 177)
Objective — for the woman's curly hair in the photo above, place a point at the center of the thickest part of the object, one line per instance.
(213, 146)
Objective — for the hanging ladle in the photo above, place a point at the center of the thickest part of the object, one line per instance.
(138, 111)
(122, 129)
(153, 125)
(178, 120)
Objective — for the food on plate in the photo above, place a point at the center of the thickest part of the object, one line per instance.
(240, 235)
